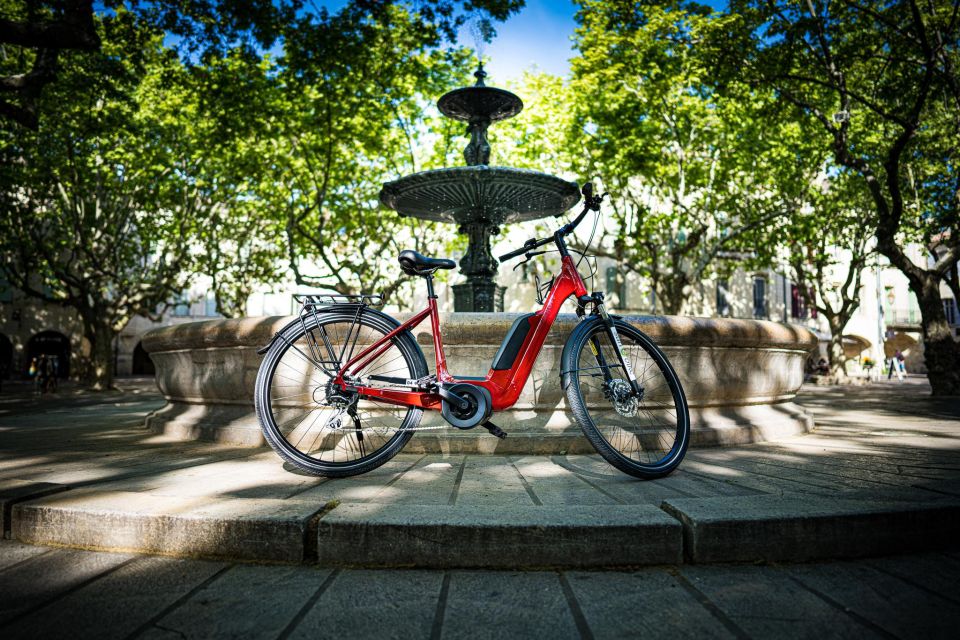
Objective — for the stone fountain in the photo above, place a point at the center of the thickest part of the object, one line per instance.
(479, 198)
(740, 375)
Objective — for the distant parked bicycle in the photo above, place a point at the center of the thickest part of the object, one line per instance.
(343, 388)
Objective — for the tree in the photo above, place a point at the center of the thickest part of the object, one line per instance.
(882, 81)
(696, 168)
(347, 119)
(41, 30)
(97, 215)
(217, 133)
(829, 248)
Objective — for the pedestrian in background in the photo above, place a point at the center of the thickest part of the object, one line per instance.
(896, 365)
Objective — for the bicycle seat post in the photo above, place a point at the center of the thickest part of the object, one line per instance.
(430, 293)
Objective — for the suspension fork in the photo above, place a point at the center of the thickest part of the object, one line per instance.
(618, 348)
(600, 358)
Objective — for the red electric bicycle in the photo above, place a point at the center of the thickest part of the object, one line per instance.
(343, 388)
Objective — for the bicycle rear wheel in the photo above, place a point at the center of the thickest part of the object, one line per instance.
(318, 428)
(645, 436)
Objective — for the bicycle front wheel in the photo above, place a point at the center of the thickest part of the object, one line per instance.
(321, 429)
(645, 435)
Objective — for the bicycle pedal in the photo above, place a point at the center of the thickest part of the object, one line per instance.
(495, 430)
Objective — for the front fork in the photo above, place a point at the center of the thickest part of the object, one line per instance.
(618, 347)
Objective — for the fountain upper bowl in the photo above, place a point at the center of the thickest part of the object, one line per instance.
(499, 195)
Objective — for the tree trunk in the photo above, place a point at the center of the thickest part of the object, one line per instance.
(835, 355)
(673, 296)
(99, 369)
(940, 351)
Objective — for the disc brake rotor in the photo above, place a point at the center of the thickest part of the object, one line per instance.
(624, 400)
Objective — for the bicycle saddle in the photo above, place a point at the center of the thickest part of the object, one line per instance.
(416, 264)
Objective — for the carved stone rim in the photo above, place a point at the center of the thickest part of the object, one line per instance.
(497, 194)
(483, 328)
(470, 103)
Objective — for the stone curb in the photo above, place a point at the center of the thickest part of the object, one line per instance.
(14, 491)
(763, 528)
(237, 529)
(508, 537)
(800, 528)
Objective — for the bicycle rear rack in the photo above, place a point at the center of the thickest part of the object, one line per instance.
(323, 352)
(308, 301)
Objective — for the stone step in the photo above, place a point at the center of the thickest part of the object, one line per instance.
(14, 491)
(235, 528)
(797, 528)
(747, 528)
(507, 536)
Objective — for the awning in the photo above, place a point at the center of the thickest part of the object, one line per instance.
(900, 341)
(854, 345)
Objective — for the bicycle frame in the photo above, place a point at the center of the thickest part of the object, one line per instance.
(504, 385)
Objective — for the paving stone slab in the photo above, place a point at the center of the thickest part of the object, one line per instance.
(238, 528)
(507, 536)
(245, 602)
(115, 605)
(14, 491)
(386, 605)
(45, 578)
(505, 607)
(649, 603)
(891, 605)
(799, 528)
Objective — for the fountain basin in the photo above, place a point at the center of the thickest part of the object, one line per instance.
(494, 195)
(740, 377)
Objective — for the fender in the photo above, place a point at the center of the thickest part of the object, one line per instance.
(351, 308)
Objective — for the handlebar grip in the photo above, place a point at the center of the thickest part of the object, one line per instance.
(587, 190)
(513, 254)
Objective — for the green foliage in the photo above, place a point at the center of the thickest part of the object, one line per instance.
(881, 82)
(95, 213)
(696, 167)
(333, 128)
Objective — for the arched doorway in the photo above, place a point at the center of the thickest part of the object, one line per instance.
(6, 357)
(142, 364)
(51, 343)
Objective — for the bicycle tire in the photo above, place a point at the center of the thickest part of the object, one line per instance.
(644, 437)
(307, 375)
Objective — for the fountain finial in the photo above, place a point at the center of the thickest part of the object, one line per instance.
(480, 74)
(479, 106)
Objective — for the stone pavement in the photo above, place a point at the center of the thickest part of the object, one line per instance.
(64, 593)
(878, 476)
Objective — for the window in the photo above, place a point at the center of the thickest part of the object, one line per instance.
(951, 311)
(613, 288)
(797, 303)
(181, 308)
(759, 297)
(210, 309)
(723, 299)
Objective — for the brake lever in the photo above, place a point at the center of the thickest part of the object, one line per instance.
(593, 202)
(529, 256)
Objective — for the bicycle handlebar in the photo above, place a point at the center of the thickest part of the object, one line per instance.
(529, 245)
(590, 203)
